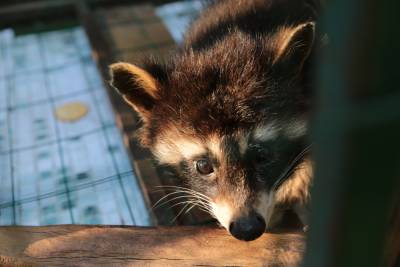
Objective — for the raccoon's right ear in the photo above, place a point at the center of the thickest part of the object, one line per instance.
(137, 86)
(293, 46)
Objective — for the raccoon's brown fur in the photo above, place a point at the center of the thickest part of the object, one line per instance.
(236, 97)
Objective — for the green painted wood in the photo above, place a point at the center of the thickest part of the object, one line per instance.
(357, 134)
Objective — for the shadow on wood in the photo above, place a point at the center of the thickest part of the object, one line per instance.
(76, 245)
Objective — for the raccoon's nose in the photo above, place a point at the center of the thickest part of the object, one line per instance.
(248, 227)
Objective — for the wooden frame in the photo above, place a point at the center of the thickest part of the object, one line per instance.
(23, 11)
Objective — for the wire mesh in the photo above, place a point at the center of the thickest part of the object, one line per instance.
(52, 171)
(58, 172)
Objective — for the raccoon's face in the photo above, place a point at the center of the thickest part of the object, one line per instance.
(238, 175)
(231, 120)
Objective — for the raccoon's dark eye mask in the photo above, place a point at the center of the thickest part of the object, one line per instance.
(291, 167)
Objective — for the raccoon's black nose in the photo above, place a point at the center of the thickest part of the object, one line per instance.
(248, 227)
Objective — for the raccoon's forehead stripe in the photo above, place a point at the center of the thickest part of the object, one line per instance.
(266, 132)
(296, 128)
(292, 129)
(243, 142)
(190, 148)
(228, 147)
(175, 150)
(214, 145)
(174, 147)
(231, 148)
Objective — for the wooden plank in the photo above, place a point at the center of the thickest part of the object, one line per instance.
(77, 245)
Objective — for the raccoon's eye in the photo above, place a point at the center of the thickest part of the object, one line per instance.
(204, 167)
(260, 157)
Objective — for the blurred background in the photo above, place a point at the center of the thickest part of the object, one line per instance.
(67, 154)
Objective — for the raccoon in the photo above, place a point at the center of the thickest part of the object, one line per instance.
(230, 109)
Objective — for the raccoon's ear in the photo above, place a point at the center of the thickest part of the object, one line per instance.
(293, 46)
(137, 86)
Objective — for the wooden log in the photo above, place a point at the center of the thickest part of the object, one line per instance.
(77, 245)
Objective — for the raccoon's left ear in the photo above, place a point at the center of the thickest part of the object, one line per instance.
(137, 86)
(293, 47)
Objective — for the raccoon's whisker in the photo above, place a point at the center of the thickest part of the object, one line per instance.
(173, 193)
(194, 194)
(189, 200)
(180, 203)
(199, 197)
(200, 204)
(177, 189)
(180, 212)
(202, 196)
(170, 188)
(169, 200)
(196, 198)
(203, 203)
(206, 204)
(189, 209)
(203, 206)
(184, 189)
(161, 190)
(164, 197)
(290, 167)
(206, 211)
(161, 199)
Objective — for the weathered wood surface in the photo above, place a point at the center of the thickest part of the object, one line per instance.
(76, 245)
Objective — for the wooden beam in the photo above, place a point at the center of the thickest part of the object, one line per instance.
(77, 245)
(24, 13)
(21, 13)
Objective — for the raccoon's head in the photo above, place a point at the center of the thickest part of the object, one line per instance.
(231, 119)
